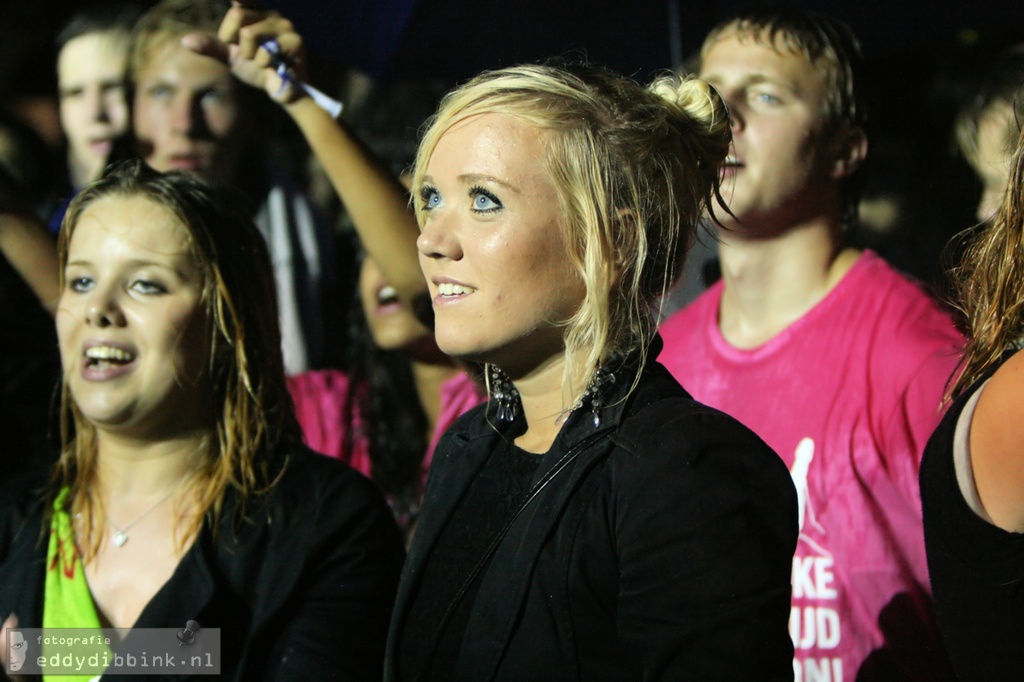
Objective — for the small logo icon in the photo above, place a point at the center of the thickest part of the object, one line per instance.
(188, 634)
(17, 650)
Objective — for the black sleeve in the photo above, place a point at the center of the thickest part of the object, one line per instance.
(336, 623)
(706, 531)
(975, 569)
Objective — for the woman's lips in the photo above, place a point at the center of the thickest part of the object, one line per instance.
(450, 291)
(185, 162)
(101, 147)
(105, 372)
(731, 165)
(102, 361)
(387, 300)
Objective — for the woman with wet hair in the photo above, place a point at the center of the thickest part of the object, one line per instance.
(972, 474)
(592, 521)
(183, 491)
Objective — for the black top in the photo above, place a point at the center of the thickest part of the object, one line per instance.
(660, 549)
(301, 591)
(977, 569)
(433, 642)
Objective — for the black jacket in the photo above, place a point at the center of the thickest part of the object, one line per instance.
(303, 591)
(662, 551)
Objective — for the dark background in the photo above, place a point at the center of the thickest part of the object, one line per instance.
(922, 59)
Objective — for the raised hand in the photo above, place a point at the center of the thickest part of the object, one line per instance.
(241, 43)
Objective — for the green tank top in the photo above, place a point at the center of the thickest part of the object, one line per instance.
(67, 601)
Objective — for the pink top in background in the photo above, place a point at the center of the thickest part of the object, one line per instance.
(847, 395)
(324, 413)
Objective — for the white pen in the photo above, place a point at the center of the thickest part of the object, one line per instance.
(285, 73)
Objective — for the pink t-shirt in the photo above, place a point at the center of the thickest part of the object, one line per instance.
(848, 396)
(322, 406)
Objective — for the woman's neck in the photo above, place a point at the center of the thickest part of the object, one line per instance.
(129, 468)
(543, 397)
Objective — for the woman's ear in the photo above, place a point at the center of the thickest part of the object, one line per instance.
(851, 146)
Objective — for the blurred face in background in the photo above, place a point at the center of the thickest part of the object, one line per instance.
(93, 100)
(187, 113)
(779, 170)
(392, 324)
(992, 163)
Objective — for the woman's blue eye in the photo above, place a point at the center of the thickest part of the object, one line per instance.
(484, 201)
(80, 284)
(429, 197)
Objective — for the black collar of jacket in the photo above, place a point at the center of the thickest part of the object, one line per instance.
(617, 403)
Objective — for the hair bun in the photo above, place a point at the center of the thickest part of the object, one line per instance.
(697, 98)
(702, 111)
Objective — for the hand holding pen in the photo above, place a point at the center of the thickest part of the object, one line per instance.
(288, 78)
(264, 50)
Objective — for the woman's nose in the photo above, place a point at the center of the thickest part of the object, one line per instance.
(104, 311)
(438, 239)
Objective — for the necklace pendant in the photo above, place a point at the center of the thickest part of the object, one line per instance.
(120, 538)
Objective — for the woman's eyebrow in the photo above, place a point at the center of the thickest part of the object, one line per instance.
(471, 178)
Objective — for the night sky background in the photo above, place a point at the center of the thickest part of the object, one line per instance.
(922, 60)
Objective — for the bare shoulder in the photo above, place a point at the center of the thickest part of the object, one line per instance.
(996, 439)
(1001, 400)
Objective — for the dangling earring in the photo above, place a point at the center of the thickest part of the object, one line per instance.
(503, 394)
(592, 395)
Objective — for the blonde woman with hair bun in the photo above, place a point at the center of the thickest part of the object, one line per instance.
(592, 521)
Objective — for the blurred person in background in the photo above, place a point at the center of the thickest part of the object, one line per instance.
(386, 413)
(29, 290)
(988, 125)
(92, 88)
(828, 353)
(191, 113)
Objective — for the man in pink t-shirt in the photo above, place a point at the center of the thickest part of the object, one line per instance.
(831, 356)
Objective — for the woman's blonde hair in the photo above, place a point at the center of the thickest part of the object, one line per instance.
(635, 169)
(990, 279)
(252, 416)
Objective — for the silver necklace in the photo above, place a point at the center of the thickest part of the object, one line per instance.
(120, 536)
